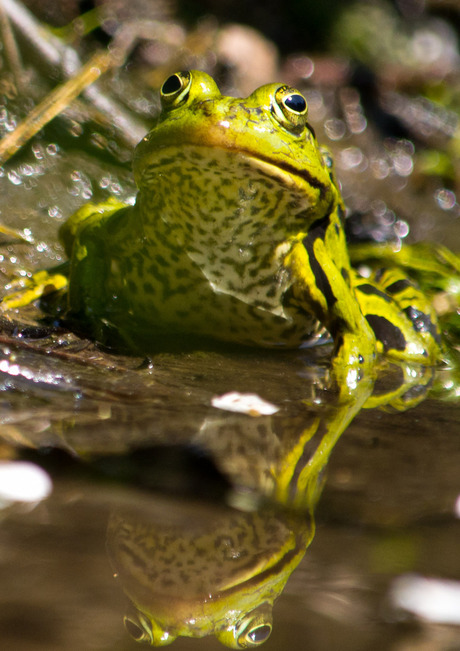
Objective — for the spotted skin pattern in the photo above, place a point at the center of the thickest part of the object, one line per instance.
(237, 234)
(204, 262)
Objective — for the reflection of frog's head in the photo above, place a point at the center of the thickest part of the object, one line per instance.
(197, 569)
(196, 572)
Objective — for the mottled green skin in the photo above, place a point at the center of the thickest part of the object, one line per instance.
(237, 233)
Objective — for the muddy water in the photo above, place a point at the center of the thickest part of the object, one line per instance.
(202, 517)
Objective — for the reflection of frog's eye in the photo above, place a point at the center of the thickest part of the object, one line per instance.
(138, 630)
(176, 88)
(290, 109)
(142, 629)
(254, 636)
(251, 631)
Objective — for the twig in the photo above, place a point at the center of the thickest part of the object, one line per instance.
(54, 102)
(54, 53)
(11, 49)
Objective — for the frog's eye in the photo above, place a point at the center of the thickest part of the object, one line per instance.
(176, 88)
(251, 631)
(142, 630)
(290, 109)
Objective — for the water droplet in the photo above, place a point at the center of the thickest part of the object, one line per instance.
(115, 188)
(403, 164)
(10, 125)
(26, 170)
(445, 199)
(55, 212)
(335, 129)
(357, 123)
(351, 157)
(14, 177)
(37, 151)
(303, 66)
(380, 168)
(401, 228)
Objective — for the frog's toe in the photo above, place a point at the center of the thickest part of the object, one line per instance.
(353, 365)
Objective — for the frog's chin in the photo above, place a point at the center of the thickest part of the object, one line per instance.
(286, 175)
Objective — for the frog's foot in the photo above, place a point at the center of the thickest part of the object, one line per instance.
(32, 289)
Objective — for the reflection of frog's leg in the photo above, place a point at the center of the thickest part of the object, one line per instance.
(415, 381)
(299, 484)
(402, 318)
(319, 285)
(33, 288)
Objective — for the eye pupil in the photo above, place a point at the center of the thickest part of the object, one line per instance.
(295, 103)
(171, 85)
(260, 634)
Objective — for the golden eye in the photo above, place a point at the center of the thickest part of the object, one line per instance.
(290, 109)
(176, 88)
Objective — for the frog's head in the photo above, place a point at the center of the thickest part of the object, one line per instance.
(205, 146)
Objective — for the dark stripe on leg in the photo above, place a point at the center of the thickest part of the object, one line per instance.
(370, 290)
(389, 334)
(398, 286)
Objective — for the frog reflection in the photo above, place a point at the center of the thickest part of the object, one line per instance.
(197, 570)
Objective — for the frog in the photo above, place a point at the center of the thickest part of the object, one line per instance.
(237, 234)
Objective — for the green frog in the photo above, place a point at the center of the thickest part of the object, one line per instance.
(237, 233)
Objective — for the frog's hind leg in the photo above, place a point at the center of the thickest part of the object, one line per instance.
(401, 316)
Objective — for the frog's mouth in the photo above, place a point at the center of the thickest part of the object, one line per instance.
(293, 177)
(288, 174)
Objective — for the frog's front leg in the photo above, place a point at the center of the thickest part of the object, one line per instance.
(31, 289)
(321, 287)
(90, 246)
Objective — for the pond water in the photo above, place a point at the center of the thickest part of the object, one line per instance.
(169, 516)
(202, 517)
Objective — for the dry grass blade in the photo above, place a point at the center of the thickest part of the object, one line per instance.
(52, 54)
(55, 102)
